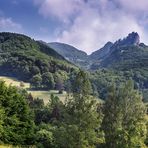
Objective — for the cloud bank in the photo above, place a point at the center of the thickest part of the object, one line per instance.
(89, 24)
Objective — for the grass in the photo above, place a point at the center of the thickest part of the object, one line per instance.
(10, 146)
(45, 95)
(14, 82)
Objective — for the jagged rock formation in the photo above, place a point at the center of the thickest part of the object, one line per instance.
(132, 39)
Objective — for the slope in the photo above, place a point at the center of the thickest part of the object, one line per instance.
(25, 58)
(71, 53)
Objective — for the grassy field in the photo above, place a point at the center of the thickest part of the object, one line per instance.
(5, 146)
(10, 146)
(14, 82)
(45, 95)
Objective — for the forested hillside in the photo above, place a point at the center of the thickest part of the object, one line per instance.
(31, 61)
(126, 59)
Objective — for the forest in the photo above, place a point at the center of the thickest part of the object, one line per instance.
(79, 122)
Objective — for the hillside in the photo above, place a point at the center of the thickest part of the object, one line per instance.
(101, 53)
(31, 61)
(126, 59)
(72, 54)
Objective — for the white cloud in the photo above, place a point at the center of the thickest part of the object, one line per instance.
(61, 9)
(96, 22)
(7, 24)
(133, 5)
(90, 31)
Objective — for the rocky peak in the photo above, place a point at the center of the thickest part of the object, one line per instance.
(132, 39)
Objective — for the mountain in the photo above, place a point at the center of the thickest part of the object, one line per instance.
(101, 53)
(72, 54)
(112, 54)
(132, 39)
(124, 54)
(28, 60)
(126, 59)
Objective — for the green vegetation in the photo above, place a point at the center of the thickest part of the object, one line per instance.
(41, 94)
(78, 57)
(78, 122)
(16, 119)
(45, 95)
(31, 61)
(103, 78)
(124, 121)
(54, 104)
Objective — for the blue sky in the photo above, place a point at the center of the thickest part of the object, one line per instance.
(85, 24)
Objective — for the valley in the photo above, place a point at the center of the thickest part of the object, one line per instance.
(73, 74)
(108, 87)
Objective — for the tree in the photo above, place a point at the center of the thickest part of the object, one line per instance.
(59, 85)
(111, 121)
(17, 119)
(124, 122)
(44, 136)
(48, 80)
(2, 118)
(81, 120)
(36, 81)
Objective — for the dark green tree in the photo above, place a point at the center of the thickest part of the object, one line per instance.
(81, 120)
(48, 80)
(36, 81)
(17, 119)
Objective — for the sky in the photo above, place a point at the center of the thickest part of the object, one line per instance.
(85, 24)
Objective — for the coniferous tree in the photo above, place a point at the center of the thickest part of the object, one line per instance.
(16, 118)
(81, 120)
(124, 122)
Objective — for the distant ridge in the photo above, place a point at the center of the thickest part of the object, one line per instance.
(71, 53)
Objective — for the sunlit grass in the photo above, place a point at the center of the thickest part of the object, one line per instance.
(14, 82)
(45, 95)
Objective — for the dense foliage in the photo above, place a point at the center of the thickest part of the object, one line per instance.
(103, 78)
(124, 122)
(17, 124)
(31, 61)
(79, 122)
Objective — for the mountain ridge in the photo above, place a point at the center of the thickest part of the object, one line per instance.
(81, 59)
(72, 54)
(123, 51)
